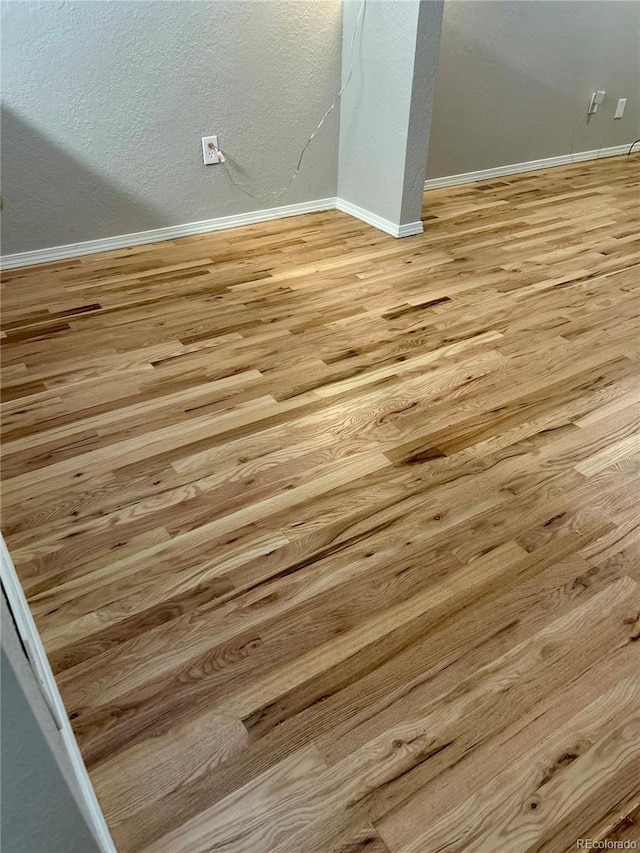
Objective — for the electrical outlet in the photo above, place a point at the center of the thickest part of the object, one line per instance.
(622, 103)
(210, 150)
(596, 100)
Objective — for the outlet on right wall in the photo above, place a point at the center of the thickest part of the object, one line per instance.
(515, 78)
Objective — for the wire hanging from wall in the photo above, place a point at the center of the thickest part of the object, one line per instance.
(281, 192)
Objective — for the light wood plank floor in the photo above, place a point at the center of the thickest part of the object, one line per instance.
(333, 539)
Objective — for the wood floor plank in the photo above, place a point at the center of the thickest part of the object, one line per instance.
(449, 789)
(539, 808)
(333, 539)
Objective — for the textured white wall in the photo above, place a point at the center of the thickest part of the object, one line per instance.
(515, 77)
(104, 104)
(375, 107)
(386, 108)
(421, 111)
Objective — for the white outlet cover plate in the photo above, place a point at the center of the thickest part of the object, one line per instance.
(210, 154)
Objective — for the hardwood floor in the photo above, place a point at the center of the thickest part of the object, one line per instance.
(333, 539)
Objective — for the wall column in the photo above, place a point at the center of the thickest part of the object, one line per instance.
(385, 113)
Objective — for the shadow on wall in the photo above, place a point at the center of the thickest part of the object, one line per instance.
(47, 193)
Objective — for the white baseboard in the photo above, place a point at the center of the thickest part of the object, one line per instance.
(529, 166)
(407, 230)
(123, 241)
(172, 232)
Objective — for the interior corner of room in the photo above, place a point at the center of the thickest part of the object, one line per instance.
(105, 105)
(320, 531)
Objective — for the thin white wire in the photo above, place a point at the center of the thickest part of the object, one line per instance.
(578, 121)
(278, 193)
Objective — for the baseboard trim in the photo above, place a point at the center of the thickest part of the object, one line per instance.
(157, 235)
(529, 166)
(407, 230)
(172, 232)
